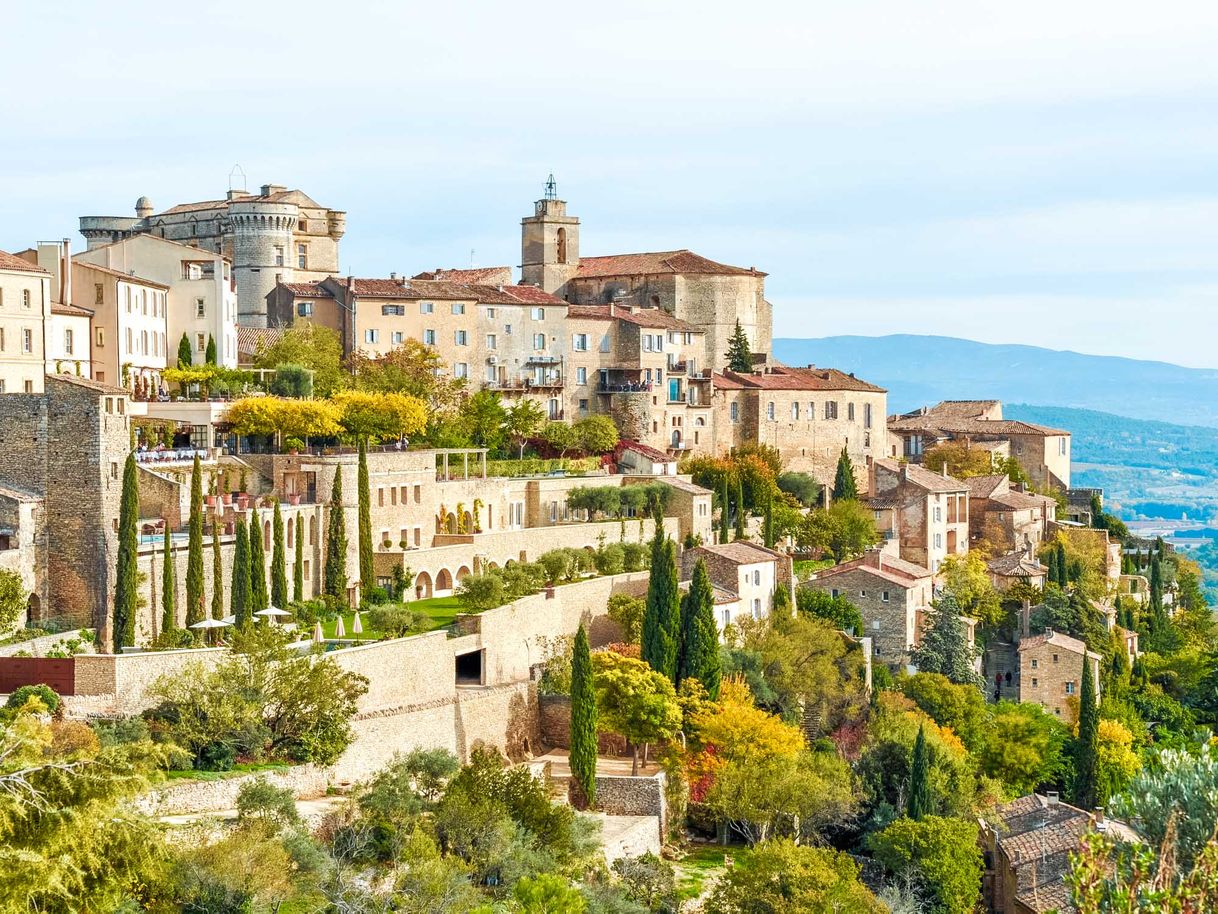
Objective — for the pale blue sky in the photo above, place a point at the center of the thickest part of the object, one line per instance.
(1039, 172)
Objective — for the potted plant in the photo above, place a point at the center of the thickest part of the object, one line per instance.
(293, 498)
(294, 445)
(386, 545)
(401, 544)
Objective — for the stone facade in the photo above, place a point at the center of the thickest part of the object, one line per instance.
(924, 515)
(746, 571)
(1050, 672)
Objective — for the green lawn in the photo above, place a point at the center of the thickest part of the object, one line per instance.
(238, 769)
(368, 634)
(804, 567)
(694, 869)
(442, 611)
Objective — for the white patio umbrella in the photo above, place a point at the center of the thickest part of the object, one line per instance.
(357, 627)
(271, 613)
(340, 631)
(229, 620)
(318, 634)
(211, 623)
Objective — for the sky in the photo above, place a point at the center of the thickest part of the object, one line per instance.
(1040, 172)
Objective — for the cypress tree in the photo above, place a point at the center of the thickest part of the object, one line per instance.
(298, 566)
(1156, 582)
(583, 719)
(279, 562)
(739, 354)
(1063, 574)
(1051, 565)
(944, 647)
(920, 803)
(168, 586)
(184, 355)
(335, 587)
(239, 590)
(661, 621)
(126, 568)
(367, 578)
(768, 529)
(723, 512)
(217, 572)
(739, 508)
(194, 548)
(259, 598)
(698, 654)
(1086, 746)
(211, 349)
(844, 484)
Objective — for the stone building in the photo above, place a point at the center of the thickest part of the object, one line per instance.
(1050, 672)
(25, 312)
(891, 594)
(924, 515)
(1007, 518)
(1042, 452)
(66, 447)
(275, 235)
(201, 299)
(746, 571)
(808, 414)
(710, 295)
(1016, 568)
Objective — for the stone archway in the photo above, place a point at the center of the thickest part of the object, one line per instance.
(33, 608)
(462, 573)
(422, 586)
(444, 580)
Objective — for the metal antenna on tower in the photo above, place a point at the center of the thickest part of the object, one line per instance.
(551, 188)
(472, 264)
(232, 183)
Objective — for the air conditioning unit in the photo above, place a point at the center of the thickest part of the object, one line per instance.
(492, 360)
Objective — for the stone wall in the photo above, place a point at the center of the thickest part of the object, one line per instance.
(178, 798)
(619, 795)
(37, 647)
(554, 714)
(628, 836)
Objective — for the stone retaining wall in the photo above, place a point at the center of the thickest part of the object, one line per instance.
(182, 797)
(554, 716)
(618, 795)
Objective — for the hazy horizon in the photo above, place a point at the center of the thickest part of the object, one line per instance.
(1040, 174)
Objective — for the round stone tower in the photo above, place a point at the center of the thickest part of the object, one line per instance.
(262, 253)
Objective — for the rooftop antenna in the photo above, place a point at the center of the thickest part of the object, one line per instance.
(471, 258)
(551, 188)
(233, 182)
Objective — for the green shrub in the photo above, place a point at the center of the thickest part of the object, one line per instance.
(43, 693)
(260, 800)
(611, 559)
(480, 592)
(635, 556)
(392, 619)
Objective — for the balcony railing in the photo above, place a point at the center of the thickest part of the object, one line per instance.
(625, 387)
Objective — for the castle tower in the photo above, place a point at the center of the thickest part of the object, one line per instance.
(549, 243)
(262, 236)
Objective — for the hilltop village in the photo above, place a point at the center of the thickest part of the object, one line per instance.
(550, 590)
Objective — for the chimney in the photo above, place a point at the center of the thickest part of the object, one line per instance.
(945, 469)
(905, 472)
(1025, 619)
(393, 275)
(65, 274)
(611, 309)
(1052, 797)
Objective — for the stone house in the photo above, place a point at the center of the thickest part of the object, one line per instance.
(25, 311)
(23, 542)
(746, 570)
(808, 414)
(276, 235)
(1009, 519)
(891, 594)
(1051, 669)
(202, 299)
(1027, 848)
(925, 513)
(1016, 568)
(1043, 452)
(695, 289)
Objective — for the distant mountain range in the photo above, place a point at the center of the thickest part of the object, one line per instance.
(920, 370)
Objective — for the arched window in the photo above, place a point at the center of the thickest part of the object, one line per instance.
(266, 536)
(676, 437)
(562, 245)
(291, 533)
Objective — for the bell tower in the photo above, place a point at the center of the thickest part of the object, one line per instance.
(549, 243)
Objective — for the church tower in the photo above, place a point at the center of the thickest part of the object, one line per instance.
(549, 243)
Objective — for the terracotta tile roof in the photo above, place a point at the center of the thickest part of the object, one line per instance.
(963, 409)
(987, 486)
(129, 277)
(479, 275)
(782, 377)
(70, 309)
(451, 291)
(741, 552)
(945, 424)
(1056, 639)
(1016, 565)
(307, 289)
(1015, 500)
(647, 451)
(90, 384)
(683, 485)
(530, 295)
(682, 261)
(892, 569)
(723, 595)
(12, 263)
(654, 318)
(922, 477)
(249, 338)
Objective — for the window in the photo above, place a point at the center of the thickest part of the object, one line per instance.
(28, 387)
(581, 376)
(795, 412)
(507, 328)
(302, 256)
(735, 411)
(429, 337)
(866, 415)
(490, 313)
(1035, 663)
(830, 409)
(492, 342)
(305, 309)
(393, 310)
(583, 406)
(538, 314)
(426, 307)
(769, 411)
(756, 577)
(539, 341)
(1055, 658)
(279, 255)
(99, 295)
(25, 297)
(850, 412)
(1035, 682)
(67, 340)
(372, 336)
(884, 596)
(461, 338)
(938, 540)
(1070, 688)
(938, 514)
(398, 337)
(579, 342)
(27, 340)
(461, 370)
(201, 342)
(1061, 446)
(380, 502)
(560, 243)
(458, 307)
(200, 307)
(605, 343)
(101, 337)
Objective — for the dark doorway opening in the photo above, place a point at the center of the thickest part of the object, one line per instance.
(469, 668)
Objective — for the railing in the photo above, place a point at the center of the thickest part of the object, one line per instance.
(628, 387)
(171, 455)
(677, 367)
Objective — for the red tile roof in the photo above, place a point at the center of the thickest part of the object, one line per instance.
(650, 453)
(531, 295)
(13, 263)
(479, 275)
(741, 552)
(922, 477)
(947, 424)
(987, 486)
(309, 289)
(250, 338)
(654, 318)
(682, 261)
(451, 291)
(70, 309)
(782, 377)
(893, 569)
